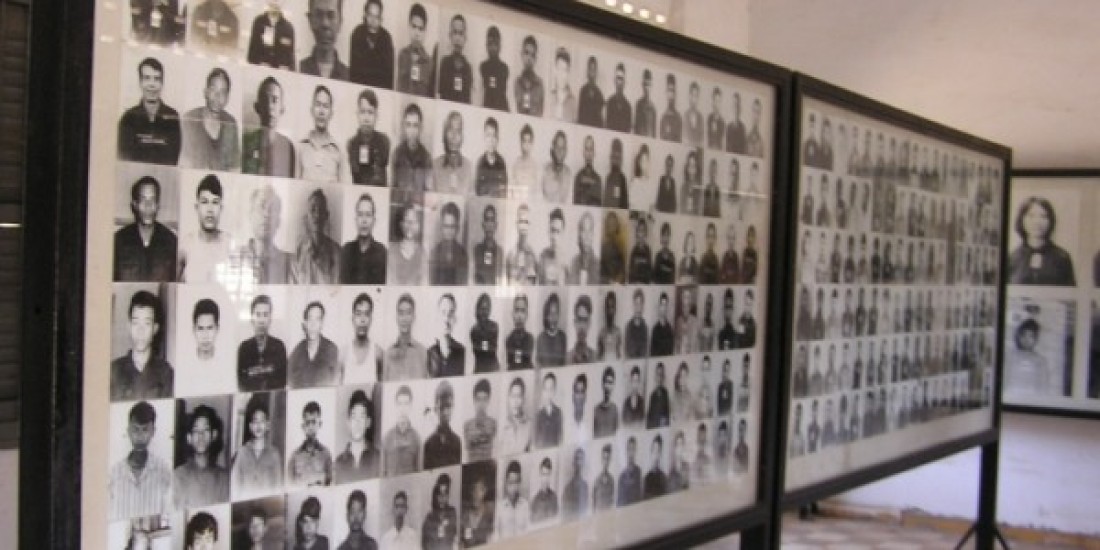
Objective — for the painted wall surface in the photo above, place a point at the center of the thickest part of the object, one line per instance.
(1019, 72)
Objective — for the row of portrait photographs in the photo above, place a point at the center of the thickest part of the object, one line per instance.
(910, 160)
(183, 340)
(241, 231)
(463, 505)
(849, 257)
(441, 53)
(231, 447)
(839, 419)
(822, 314)
(828, 367)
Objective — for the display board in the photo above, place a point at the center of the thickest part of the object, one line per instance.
(1052, 330)
(429, 274)
(894, 328)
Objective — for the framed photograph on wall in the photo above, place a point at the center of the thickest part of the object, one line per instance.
(1052, 325)
(449, 272)
(895, 323)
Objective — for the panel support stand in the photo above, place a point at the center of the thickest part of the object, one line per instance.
(984, 530)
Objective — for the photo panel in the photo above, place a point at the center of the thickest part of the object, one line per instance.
(258, 467)
(365, 236)
(136, 429)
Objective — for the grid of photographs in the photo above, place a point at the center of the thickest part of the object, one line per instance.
(381, 277)
(1052, 338)
(896, 305)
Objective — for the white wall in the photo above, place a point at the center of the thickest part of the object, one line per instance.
(9, 499)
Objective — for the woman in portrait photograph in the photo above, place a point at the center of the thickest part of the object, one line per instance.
(1028, 372)
(406, 261)
(1038, 261)
(258, 463)
(640, 177)
(689, 265)
(306, 534)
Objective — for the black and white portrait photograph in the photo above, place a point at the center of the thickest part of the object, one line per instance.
(210, 117)
(551, 326)
(544, 488)
(310, 433)
(140, 323)
(150, 98)
(445, 232)
(415, 38)
(361, 353)
(146, 214)
(269, 120)
(357, 415)
(207, 208)
(407, 261)
(204, 341)
(206, 527)
(1039, 347)
(259, 523)
(1043, 238)
(365, 237)
(485, 232)
(214, 28)
(266, 329)
(412, 149)
(140, 458)
(161, 24)
(317, 331)
(517, 410)
(310, 516)
(357, 510)
(202, 454)
(402, 504)
(258, 450)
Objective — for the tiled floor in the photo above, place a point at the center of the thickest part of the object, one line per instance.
(825, 533)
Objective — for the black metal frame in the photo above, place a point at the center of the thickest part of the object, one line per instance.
(1063, 412)
(988, 440)
(56, 216)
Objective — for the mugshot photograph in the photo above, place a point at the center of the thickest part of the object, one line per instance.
(201, 457)
(361, 354)
(406, 262)
(261, 354)
(204, 341)
(616, 193)
(487, 257)
(213, 28)
(257, 464)
(258, 523)
(311, 424)
(613, 259)
(272, 41)
(591, 98)
(316, 254)
(417, 50)
(147, 218)
(210, 129)
(551, 340)
(321, 157)
(521, 264)
(656, 463)
(201, 527)
(206, 240)
(401, 510)
(634, 394)
(139, 457)
(1037, 356)
(442, 444)
(493, 72)
(516, 413)
(691, 184)
(259, 259)
(478, 499)
(448, 262)
(671, 122)
(640, 268)
(580, 386)
(553, 260)
(406, 354)
(266, 149)
(556, 179)
(606, 395)
(368, 148)
(1037, 259)
(357, 511)
(606, 325)
(544, 495)
(575, 492)
(519, 345)
(513, 509)
(412, 160)
(366, 225)
(585, 267)
(561, 101)
(628, 476)
(452, 170)
(458, 39)
(310, 515)
(140, 369)
(449, 322)
(485, 332)
(662, 340)
(404, 421)
(372, 49)
(711, 192)
(588, 182)
(664, 259)
(314, 359)
(659, 405)
(161, 23)
(532, 58)
(357, 425)
(548, 415)
(149, 129)
(324, 49)
(737, 133)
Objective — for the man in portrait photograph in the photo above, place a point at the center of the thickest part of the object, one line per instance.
(446, 357)
(521, 264)
(556, 174)
(666, 188)
(372, 51)
(315, 360)
(412, 164)
(311, 463)
(210, 138)
(485, 337)
(587, 184)
(456, 75)
(659, 410)
(491, 179)
(634, 404)
(415, 66)
(619, 114)
(637, 331)
(671, 122)
(369, 149)
(261, 359)
(544, 503)
(142, 372)
(741, 450)
(612, 253)
(550, 345)
(747, 322)
(488, 257)
(265, 151)
(574, 498)
(480, 431)
(716, 124)
(520, 345)
(145, 250)
(451, 170)
(160, 23)
(754, 143)
(563, 104)
(141, 483)
(214, 27)
(363, 260)
(616, 194)
(402, 535)
(730, 271)
(448, 263)
(271, 42)
(662, 342)
(357, 538)
(693, 119)
(150, 131)
(203, 251)
(401, 444)
(712, 195)
(548, 419)
(530, 92)
(317, 256)
(443, 447)
(736, 137)
(605, 419)
(630, 479)
(585, 266)
(320, 159)
(664, 263)
(582, 319)
(325, 18)
(590, 110)
(640, 266)
(406, 359)
(552, 266)
(360, 459)
(656, 482)
(208, 358)
(201, 480)
(494, 73)
(513, 515)
(201, 532)
(708, 264)
(645, 113)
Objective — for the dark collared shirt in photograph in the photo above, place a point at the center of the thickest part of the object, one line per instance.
(214, 26)
(656, 483)
(411, 168)
(319, 370)
(128, 383)
(491, 178)
(587, 187)
(574, 498)
(442, 448)
(747, 338)
(619, 113)
(154, 139)
(748, 266)
(356, 540)
(712, 201)
(311, 464)
(666, 195)
(157, 22)
(494, 84)
(272, 43)
(456, 78)
(605, 419)
(349, 467)
(414, 70)
(485, 338)
(645, 117)
(369, 158)
(637, 338)
(659, 411)
(708, 268)
(544, 506)
(550, 349)
(672, 126)
(488, 262)
(401, 452)
(716, 130)
(267, 152)
(259, 370)
(662, 342)
(630, 485)
(693, 120)
(641, 264)
(634, 410)
(725, 397)
(730, 273)
(590, 112)
(448, 264)
(363, 266)
(530, 93)
(728, 338)
(453, 364)
(547, 428)
(371, 62)
(581, 353)
(615, 192)
(480, 434)
(136, 261)
(736, 141)
(612, 264)
(519, 347)
(311, 66)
